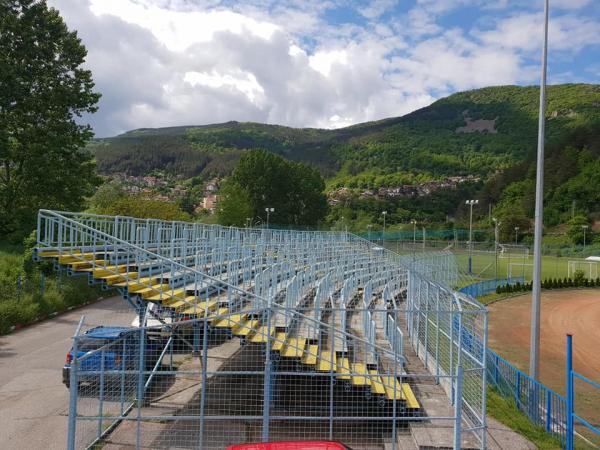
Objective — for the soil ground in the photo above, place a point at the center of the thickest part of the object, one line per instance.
(563, 311)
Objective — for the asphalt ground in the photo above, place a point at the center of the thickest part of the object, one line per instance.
(34, 403)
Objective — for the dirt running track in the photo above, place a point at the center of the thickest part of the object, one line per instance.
(563, 311)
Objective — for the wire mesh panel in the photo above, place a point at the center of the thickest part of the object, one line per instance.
(242, 335)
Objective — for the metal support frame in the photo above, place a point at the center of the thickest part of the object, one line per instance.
(309, 284)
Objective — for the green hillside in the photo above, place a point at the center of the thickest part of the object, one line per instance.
(489, 133)
(441, 139)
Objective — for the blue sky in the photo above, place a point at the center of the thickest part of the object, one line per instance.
(327, 63)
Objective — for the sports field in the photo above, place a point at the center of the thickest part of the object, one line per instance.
(515, 261)
(563, 311)
(484, 265)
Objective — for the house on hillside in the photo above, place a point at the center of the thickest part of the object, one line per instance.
(210, 203)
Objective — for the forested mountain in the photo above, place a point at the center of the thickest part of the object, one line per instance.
(489, 133)
(472, 132)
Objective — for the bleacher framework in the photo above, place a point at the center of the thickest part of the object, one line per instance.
(254, 335)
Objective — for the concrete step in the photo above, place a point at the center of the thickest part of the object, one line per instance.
(404, 441)
(439, 435)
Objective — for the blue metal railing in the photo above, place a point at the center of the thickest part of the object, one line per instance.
(572, 417)
(543, 406)
(489, 286)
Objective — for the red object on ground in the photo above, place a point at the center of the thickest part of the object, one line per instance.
(290, 445)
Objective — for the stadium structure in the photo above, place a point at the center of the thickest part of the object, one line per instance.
(249, 335)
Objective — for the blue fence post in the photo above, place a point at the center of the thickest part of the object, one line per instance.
(569, 392)
(496, 375)
(548, 411)
(42, 284)
(518, 390)
(458, 409)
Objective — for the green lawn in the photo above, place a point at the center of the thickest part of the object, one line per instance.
(484, 265)
(506, 412)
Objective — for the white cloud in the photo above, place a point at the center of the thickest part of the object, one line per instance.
(322, 61)
(180, 29)
(524, 32)
(570, 4)
(243, 82)
(376, 8)
(173, 62)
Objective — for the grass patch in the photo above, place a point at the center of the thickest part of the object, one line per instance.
(506, 412)
(30, 292)
(493, 297)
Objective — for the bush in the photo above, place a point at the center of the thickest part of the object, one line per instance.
(32, 291)
(16, 313)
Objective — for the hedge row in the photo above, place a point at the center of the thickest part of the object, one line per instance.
(550, 283)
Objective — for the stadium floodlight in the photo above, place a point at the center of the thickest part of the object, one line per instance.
(414, 223)
(471, 203)
(269, 211)
(534, 356)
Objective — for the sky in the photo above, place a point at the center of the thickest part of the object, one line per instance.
(316, 63)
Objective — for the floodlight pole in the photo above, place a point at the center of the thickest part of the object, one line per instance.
(496, 225)
(414, 223)
(534, 357)
(383, 235)
(269, 211)
(471, 203)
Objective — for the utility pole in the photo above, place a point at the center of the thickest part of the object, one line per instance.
(471, 203)
(584, 228)
(534, 357)
(516, 235)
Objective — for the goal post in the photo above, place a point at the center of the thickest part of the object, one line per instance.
(589, 268)
(513, 251)
(521, 270)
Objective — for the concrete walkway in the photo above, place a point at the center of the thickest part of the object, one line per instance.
(33, 401)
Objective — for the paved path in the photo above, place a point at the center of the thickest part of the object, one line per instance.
(33, 400)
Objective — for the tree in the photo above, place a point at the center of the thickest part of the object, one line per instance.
(575, 231)
(44, 92)
(105, 197)
(145, 208)
(235, 206)
(294, 190)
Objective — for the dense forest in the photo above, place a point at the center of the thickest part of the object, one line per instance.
(488, 133)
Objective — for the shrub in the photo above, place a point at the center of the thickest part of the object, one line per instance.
(15, 312)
